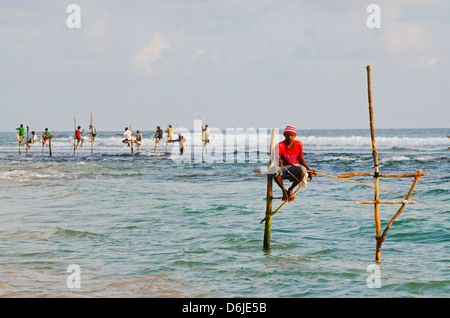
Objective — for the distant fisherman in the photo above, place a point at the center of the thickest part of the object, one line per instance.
(128, 134)
(290, 155)
(158, 134)
(182, 141)
(20, 133)
(45, 136)
(32, 140)
(93, 132)
(78, 137)
(207, 134)
(169, 132)
(138, 140)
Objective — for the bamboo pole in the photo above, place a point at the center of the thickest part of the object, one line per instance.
(386, 202)
(132, 150)
(369, 174)
(376, 168)
(408, 196)
(268, 225)
(277, 210)
(92, 137)
(75, 136)
(20, 144)
(50, 144)
(26, 146)
(259, 172)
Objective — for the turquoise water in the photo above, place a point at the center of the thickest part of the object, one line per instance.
(155, 225)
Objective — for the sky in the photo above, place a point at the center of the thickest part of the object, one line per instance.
(236, 63)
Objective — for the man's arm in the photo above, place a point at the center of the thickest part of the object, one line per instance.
(310, 174)
(303, 163)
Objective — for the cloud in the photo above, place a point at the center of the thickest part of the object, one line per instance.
(198, 54)
(144, 60)
(405, 37)
(16, 16)
(231, 66)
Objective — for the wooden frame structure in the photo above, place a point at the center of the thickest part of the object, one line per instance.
(380, 238)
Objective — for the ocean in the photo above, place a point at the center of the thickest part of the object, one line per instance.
(156, 224)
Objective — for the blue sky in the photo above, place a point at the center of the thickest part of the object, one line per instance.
(253, 63)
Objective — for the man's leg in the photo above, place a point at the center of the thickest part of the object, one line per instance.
(296, 174)
(279, 180)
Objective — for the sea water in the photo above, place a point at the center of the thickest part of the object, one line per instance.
(157, 224)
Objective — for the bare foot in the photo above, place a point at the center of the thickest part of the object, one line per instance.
(291, 196)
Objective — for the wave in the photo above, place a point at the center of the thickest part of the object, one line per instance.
(22, 175)
(413, 159)
(337, 138)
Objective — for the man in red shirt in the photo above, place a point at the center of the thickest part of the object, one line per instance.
(78, 137)
(290, 155)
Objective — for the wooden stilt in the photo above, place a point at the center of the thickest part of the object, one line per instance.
(92, 137)
(75, 137)
(268, 225)
(50, 144)
(375, 166)
(386, 202)
(408, 196)
(132, 150)
(268, 216)
(26, 143)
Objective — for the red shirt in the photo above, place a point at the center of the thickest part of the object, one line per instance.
(289, 156)
(77, 134)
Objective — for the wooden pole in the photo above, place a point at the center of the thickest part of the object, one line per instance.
(132, 150)
(26, 146)
(50, 143)
(268, 225)
(75, 136)
(279, 208)
(167, 145)
(408, 196)
(92, 137)
(385, 202)
(20, 145)
(376, 168)
(381, 175)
